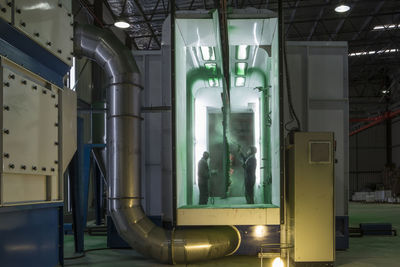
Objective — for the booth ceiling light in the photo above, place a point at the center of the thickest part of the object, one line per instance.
(213, 82)
(242, 52)
(240, 81)
(241, 68)
(342, 8)
(122, 24)
(207, 53)
(212, 67)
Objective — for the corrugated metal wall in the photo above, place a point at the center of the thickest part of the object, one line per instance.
(367, 158)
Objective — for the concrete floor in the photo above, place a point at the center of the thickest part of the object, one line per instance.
(368, 251)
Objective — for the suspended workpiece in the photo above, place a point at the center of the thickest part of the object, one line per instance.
(250, 195)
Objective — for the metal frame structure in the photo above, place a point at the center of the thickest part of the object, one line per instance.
(307, 20)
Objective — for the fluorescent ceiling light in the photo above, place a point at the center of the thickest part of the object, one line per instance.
(242, 52)
(363, 53)
(213, 82)
(240, 81)
(241, 68)
(207, 53)
(342, 8)
(212, 67)
(385, 92)
(387, 26)
(121, 24)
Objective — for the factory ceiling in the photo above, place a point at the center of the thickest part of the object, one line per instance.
(371, 28)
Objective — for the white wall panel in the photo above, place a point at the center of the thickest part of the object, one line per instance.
(319, 87)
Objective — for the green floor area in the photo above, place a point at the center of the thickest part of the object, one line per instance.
(367, 251)
(372, 251)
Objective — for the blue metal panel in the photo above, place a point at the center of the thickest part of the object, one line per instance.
(21, 49)
(254, 237)
(30, 235)
(342, 232)
(376, 228)
(87, 152)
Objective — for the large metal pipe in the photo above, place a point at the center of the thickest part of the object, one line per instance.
(123, 146)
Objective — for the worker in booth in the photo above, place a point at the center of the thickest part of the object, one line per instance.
(204, 176)
(249, 166)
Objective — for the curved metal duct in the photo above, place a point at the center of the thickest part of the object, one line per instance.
(123, 145)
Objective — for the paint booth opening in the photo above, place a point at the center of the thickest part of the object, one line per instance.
(241, 134)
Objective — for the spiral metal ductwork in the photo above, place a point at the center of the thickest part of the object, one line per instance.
(123, 148)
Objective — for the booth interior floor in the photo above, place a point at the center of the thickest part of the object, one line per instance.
(367, 251)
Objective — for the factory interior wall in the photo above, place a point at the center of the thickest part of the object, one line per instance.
(396, 142)
(367, 158)
(149, 64)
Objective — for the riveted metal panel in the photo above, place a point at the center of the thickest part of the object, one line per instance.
(68, 130)
(49, 23)
(5, 10)
(30, 126)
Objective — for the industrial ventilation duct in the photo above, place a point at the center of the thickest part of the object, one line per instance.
(123, 146)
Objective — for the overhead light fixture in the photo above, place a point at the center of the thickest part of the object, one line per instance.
(385, 92)
(386, 27)
(122, 24)
(373, 52)
(342, 8)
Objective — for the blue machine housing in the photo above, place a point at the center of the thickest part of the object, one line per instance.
(31, 235)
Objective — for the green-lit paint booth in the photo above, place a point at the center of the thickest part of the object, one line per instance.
(253, 118)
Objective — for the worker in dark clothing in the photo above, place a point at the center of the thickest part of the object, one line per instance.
(204, 176)
(249, 165)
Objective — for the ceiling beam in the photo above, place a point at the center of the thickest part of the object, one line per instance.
(368, 20)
